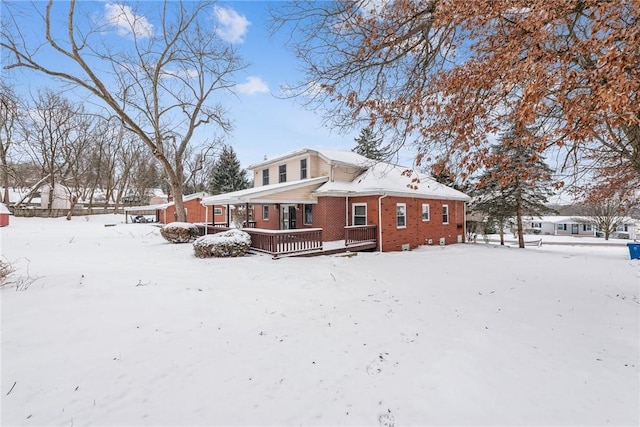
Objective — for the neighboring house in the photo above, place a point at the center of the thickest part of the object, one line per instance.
(577, 226)
(196, 212)
(340, 192)
(60, 197)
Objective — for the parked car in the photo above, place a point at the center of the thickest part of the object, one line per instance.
(141, 219)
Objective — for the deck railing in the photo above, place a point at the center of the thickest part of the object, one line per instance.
(298, 241)
(358, 234)
(285, 242)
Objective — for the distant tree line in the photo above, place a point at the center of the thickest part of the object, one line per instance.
(49, 140)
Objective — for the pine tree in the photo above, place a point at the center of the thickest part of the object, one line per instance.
(368, 145)
(518, 182)
(227, 175)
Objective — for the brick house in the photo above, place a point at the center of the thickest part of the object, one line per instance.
(196, 212)
(339, 191)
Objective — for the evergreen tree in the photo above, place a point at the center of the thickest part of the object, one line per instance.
(368, 145)
(517, 183)
(227, 175)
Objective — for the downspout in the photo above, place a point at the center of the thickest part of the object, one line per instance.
(346, 211)
(380, 221)
(464, 222)
(206, 219)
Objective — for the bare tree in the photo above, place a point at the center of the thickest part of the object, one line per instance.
(158, 81)
(606, 208)
(50, 132)
(10, 113)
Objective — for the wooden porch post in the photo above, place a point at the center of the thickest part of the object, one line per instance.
(228, 216)
(246, 214)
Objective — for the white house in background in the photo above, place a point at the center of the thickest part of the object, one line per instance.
(60, 197)
(577, 226)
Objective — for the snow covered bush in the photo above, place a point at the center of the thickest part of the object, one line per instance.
(230, 243)
(180, 232)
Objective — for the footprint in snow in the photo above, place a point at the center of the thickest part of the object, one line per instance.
(387, 420)
(375, 368)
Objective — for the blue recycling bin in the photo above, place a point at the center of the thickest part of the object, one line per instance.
(634, 250)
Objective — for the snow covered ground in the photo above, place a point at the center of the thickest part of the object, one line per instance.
(113, 326)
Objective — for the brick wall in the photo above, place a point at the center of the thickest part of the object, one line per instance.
(195, 212)
(329, 214)
(417, 232)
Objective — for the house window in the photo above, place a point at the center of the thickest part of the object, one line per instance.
(425, 212)
(265, 212)
(586, 227)
(624, 227)
(217, 211)
(359, 214)
(562, 227)
(445, 214)
(282, 173)
(536, 225)
(308, 214)
(303, 169)
(401, 215)
(265, 177)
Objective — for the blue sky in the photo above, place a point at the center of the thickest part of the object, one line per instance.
(263, 123)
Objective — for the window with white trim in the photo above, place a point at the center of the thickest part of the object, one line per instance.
(425, 212)
(282, 173)
(303, 169)
(401, 215)
(359, 214)
(445, 214)
(561, 227)
(217, 211)
(587, 227)
(536, 225)
(265, 176)
(265, 212)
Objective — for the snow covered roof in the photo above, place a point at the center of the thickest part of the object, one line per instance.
(164, 206)
(262, 193)
(384, 178)
(331, 156)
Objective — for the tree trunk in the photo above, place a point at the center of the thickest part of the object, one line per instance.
(181, 215)
(519, 221)
(5, 180)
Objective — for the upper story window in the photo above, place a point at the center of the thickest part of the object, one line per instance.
(303, 169)
(359, 213)
(265, 176)
(445, 214)
(282, 173)
(401, 215)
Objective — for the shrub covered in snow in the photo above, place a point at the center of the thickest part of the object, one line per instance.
(230, 243)
(180, 232)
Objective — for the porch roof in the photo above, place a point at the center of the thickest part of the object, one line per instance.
(294, 192)
(385, 178)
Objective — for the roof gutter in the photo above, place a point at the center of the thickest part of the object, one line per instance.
(380, 221)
